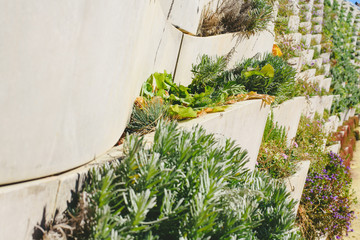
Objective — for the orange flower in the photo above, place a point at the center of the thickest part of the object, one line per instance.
(276, 51)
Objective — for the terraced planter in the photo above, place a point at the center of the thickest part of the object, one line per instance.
(325, 57)
(288, 115)
(325, 84)
(296, 63)
(307, 75)
(306, 26)
(307, 56)
(193, 47)
(317, 20)
(294, 22)
(243, 122)
(318, 79)
(317, 62)
(295, 183)
(317, 38)
(317, 104)
(317, 29)
(332, 124)
(294, 37)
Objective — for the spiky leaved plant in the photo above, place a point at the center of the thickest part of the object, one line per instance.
(146, 114)
(185, 186)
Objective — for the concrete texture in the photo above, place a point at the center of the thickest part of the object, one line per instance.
(185, 14)
(307, 75)
(294, 22)
(296, 63)
(288, 115)
(244, 122)
(307, 55)
(70, 72)
(295, 183)
(33, 203)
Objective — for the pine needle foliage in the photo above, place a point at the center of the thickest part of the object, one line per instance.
(186, 185)
(206, 72)
(232, 16)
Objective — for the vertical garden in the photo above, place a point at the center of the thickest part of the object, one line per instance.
(257, 146)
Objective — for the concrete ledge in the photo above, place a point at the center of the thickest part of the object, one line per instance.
(295, 183)
(288, 115)
(335, 148)
(244, 122)
(192, 48)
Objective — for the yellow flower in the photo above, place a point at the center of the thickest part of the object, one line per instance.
(276, 51)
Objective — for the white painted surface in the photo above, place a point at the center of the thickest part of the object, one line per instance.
(296, 63)
(24, 205)
(306, 75)
(335, 148)
(307, 56)
(243, 122)
(185, 14)
(327, 69)
(326, 83)
(288, 115)
(325, 57)
(68, 83)
(295, 183)
(293, 24)
(326, 101)
(28, 204)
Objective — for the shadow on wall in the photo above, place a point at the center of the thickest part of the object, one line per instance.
(49, 227)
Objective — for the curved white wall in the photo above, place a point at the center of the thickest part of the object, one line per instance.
(69, 72)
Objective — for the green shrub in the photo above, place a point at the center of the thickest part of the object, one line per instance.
(185, 186)
(267, 75)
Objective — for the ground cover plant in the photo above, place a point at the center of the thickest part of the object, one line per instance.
(275, 157)
(186, 185)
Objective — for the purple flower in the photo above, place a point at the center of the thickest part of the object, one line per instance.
(284, 156)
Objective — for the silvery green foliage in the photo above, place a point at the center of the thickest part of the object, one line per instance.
(186, 186)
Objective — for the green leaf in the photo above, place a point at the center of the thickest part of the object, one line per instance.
(268, 71)
(182, 112)
(253, 72)
(219, 108)
(147, 90)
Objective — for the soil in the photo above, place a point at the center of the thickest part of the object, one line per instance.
(355, 173)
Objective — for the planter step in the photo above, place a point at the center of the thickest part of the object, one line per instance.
(243, 122)
(295, 183)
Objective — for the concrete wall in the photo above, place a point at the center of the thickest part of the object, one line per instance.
(70, 71)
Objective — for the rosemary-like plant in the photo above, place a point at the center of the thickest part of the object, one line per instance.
(232, 16)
